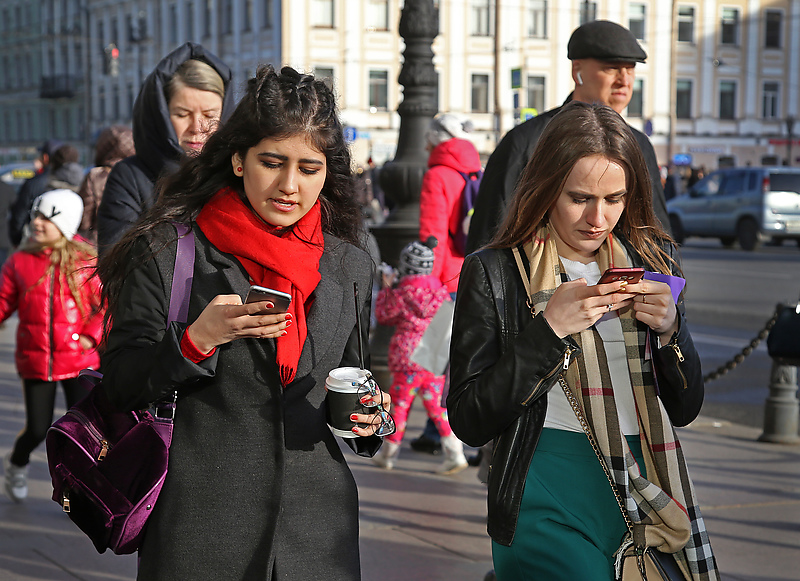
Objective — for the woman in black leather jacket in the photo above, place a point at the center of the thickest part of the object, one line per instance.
(535, 337)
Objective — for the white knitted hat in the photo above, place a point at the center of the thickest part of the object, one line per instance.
(445, 127)
(64, 208)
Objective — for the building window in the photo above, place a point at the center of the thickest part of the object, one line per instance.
(536, 93)
(248, 16)
(727, 100)
(729, 27)
(773, 23)
(771, 104)
(481, 18)
(208, 17)
(378, 14)
(101, 33)
(189, 19)
(225, 16)
(588, 12)
(378, 90)
(636, 20)
(173, 24)
(683, 99)
(322, 13)
(636, 105)
(480, 93)
(537, 19)
(324, 74)
(685, 24)
(266, 14)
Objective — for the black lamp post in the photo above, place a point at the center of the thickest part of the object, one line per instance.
(401, 178)
(789, 129)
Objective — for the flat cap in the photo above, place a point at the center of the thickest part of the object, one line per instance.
(606, 41)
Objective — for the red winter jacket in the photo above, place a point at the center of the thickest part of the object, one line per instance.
(440, 204)
(49, 318)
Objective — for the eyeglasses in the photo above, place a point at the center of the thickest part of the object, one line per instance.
(369, 387)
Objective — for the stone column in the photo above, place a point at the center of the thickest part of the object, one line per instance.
(782, 408)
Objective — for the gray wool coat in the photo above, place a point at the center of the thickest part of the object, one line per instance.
(257, 486)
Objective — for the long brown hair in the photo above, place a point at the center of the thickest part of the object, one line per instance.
(581, 130)
(67, 257)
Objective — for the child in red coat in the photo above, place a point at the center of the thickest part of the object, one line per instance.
(49, 283)
(409, 307)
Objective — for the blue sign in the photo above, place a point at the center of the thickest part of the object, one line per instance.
(350, 134)
(682, 159)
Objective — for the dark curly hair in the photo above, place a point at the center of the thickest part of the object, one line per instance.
(276, 106)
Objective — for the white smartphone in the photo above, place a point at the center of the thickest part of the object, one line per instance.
(258, 294)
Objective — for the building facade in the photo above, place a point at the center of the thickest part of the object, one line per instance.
(720, 85)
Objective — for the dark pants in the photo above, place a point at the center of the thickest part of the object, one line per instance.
(40, 399)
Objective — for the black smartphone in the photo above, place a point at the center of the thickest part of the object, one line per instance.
(630, 275)
(259, 294)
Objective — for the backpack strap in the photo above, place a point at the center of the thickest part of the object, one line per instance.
(182, 275)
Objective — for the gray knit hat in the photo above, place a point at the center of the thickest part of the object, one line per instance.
(417, 258)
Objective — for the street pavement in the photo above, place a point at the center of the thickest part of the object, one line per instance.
(419, 526)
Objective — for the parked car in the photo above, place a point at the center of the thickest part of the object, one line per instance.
(747, 205)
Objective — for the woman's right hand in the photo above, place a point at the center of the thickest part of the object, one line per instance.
(575, 306)
(225, 318)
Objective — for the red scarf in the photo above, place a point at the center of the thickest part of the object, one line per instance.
(284, 260)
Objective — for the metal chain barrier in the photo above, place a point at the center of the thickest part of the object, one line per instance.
(739, 357)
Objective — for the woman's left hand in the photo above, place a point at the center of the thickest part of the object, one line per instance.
(374, 420)
(654, 306)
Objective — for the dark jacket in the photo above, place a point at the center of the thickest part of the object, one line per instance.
(114, 144)
(504, 169)
(257, 486)
(129, 188)
(20, 212)
(502, 363)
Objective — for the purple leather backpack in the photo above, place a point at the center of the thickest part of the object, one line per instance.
(108, 466)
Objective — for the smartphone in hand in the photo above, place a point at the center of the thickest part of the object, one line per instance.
(258, 294)
(630, 275)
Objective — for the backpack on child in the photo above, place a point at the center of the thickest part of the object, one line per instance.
(472, 182)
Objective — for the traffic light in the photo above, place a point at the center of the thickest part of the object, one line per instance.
(112, 60)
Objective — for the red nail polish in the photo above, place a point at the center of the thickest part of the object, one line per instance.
(284, 334)
(288, 316)
(353, 417)
(288, 323)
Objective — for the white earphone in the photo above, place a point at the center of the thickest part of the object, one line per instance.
(580, 79)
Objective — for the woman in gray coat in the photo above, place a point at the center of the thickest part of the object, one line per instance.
(257, 486)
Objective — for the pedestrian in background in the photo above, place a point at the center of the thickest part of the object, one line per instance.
(257, 486)
(180, 104)
(48, 282)
(19, 213)
(114, 144)
(409, 307)
(604, 56)
(535, 338)
(440, 212)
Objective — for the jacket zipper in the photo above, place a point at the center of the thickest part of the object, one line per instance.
(51, 330)
(562, 365)
(680, 359)
(105, 445)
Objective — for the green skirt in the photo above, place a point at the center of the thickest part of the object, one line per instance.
(569, 522)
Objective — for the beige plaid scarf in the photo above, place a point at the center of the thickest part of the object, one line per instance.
(665, 501)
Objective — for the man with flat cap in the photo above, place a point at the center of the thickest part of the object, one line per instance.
(603, 56)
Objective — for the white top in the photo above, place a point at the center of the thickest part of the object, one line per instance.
(559, 413)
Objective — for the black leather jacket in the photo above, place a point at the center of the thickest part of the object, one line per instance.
(503, 361)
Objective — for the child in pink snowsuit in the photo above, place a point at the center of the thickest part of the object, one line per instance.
(409, 306)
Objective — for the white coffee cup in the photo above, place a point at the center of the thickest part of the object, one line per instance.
(343, 385)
